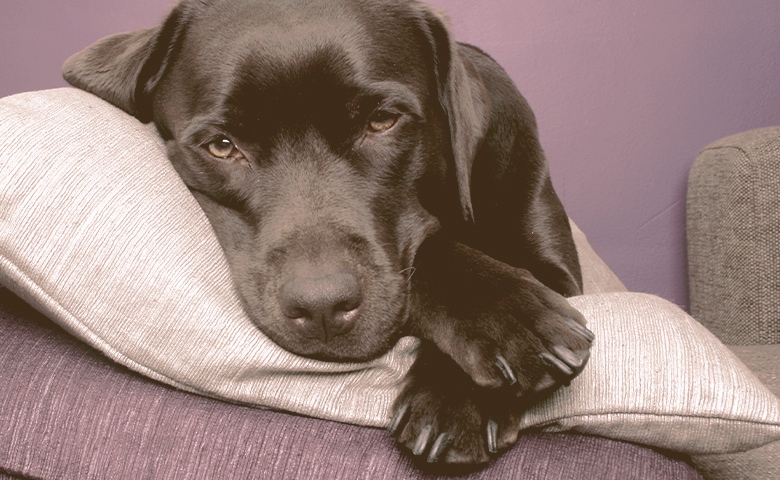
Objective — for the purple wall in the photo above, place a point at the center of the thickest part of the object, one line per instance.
(626, 93)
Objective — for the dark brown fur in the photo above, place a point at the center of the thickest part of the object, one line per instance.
(377, 180)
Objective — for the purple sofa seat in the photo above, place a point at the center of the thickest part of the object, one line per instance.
(68, 412)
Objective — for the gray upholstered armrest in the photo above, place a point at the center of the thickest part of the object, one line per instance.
(734, 237)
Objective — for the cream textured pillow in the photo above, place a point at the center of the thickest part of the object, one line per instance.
(98, 232)
(658, 377)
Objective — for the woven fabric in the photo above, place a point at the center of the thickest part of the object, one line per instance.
(764, 361)
(658, 377)
(759, 464)
(733, 225)
(66, 412)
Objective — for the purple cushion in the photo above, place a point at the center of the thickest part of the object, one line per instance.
(68, 412)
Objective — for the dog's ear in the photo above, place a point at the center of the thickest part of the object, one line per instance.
(466, 102)
(124, 69)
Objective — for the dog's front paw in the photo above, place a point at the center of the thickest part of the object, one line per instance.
(442, 417)
(523, 335)
(501, 325)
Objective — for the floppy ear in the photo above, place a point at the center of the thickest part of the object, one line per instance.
(466, 102)
(124, 69)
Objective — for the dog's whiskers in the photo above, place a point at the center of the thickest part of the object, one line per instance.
(408, 272)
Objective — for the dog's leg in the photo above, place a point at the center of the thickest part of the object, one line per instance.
(494, 337)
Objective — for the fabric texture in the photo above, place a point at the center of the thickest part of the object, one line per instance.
(658, 377)
(66, 412)
(764, 361)
(762, 463)
(733, 210)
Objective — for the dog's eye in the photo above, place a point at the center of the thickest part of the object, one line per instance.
(382, 121)
(223, 148)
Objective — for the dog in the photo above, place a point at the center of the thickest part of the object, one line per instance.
(368, 178)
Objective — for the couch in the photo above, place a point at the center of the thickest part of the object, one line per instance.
(733, 227)
(126, 354)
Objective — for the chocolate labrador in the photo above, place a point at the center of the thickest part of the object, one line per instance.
(368, 178)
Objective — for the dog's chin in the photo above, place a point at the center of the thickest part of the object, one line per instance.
(339, 351)
(343, 348)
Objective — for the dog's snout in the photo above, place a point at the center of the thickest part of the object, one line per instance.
(322, 304)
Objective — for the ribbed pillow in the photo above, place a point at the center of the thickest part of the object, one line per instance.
(658, 377)
(99, 233)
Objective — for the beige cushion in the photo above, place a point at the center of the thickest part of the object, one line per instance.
(762, 463)
(98, 232)
(758, 464)
(658, 377)
(733, 231)
(764, 361)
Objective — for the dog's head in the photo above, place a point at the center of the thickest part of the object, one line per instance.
(325, 140)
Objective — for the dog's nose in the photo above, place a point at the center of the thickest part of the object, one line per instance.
(322, 305)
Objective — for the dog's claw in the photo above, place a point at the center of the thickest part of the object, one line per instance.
(568, 357)
(492, 436)
(399, 419)
(567, 362)
(422, 440)
(439, 446)
(582, 330)
(556, 363)
(505, 369)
